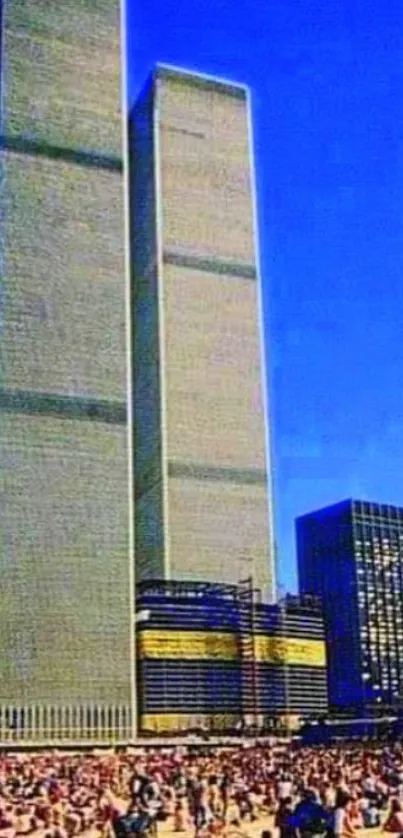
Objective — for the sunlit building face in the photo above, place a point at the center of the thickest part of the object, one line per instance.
(378, 548)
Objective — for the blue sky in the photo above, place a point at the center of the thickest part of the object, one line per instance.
(327, 84)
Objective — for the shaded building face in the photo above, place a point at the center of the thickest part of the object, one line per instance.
(352, 556)
(64, 562)
(202, 480)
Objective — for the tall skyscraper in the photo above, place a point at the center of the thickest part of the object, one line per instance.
(351, 555)
(201, 499)
(203, 503)
(65, 565)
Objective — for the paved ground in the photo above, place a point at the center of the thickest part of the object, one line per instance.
(252, 830)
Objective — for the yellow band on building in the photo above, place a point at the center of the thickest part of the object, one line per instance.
(290, 650)
(187, 645)
(201, 645)
(173, 722)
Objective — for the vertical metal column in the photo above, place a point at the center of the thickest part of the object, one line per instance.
(282, 605)
(249, 673)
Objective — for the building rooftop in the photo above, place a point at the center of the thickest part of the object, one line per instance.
(202, 80)
(358, 506)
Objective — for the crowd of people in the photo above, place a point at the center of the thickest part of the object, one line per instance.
(305, 792)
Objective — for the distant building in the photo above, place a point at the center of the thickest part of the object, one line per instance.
(351, 555)
(202, 474)
(214, 657)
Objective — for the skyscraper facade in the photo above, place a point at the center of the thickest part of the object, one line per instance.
(65, 564)
(203, 503)
(351, 555)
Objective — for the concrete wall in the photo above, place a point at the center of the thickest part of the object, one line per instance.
(205, 172)
(64, 328)
(64, 627)
(212, 351)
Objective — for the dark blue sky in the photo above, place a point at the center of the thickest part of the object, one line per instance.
(327, 83)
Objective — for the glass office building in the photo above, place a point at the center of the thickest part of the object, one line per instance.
(351, 555)
(215, 657)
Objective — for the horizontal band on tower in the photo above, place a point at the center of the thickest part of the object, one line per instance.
(39, 148)
(223, 474)
(210, 264)
(63, 407)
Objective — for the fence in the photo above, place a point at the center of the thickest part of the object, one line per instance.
(47, 724)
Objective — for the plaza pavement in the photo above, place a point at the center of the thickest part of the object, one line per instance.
(252, 830)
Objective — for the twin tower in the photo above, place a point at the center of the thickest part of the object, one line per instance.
(133, 438)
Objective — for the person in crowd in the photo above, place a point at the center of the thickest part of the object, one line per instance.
(372, 817)
(310, 819)
(343, 826)
(394, 820)
(284, 818)
(354, 812)
(284, 787)
(226, 790)
(182, 817)
(203, 815)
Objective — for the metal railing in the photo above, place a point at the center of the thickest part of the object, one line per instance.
(42, 723)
